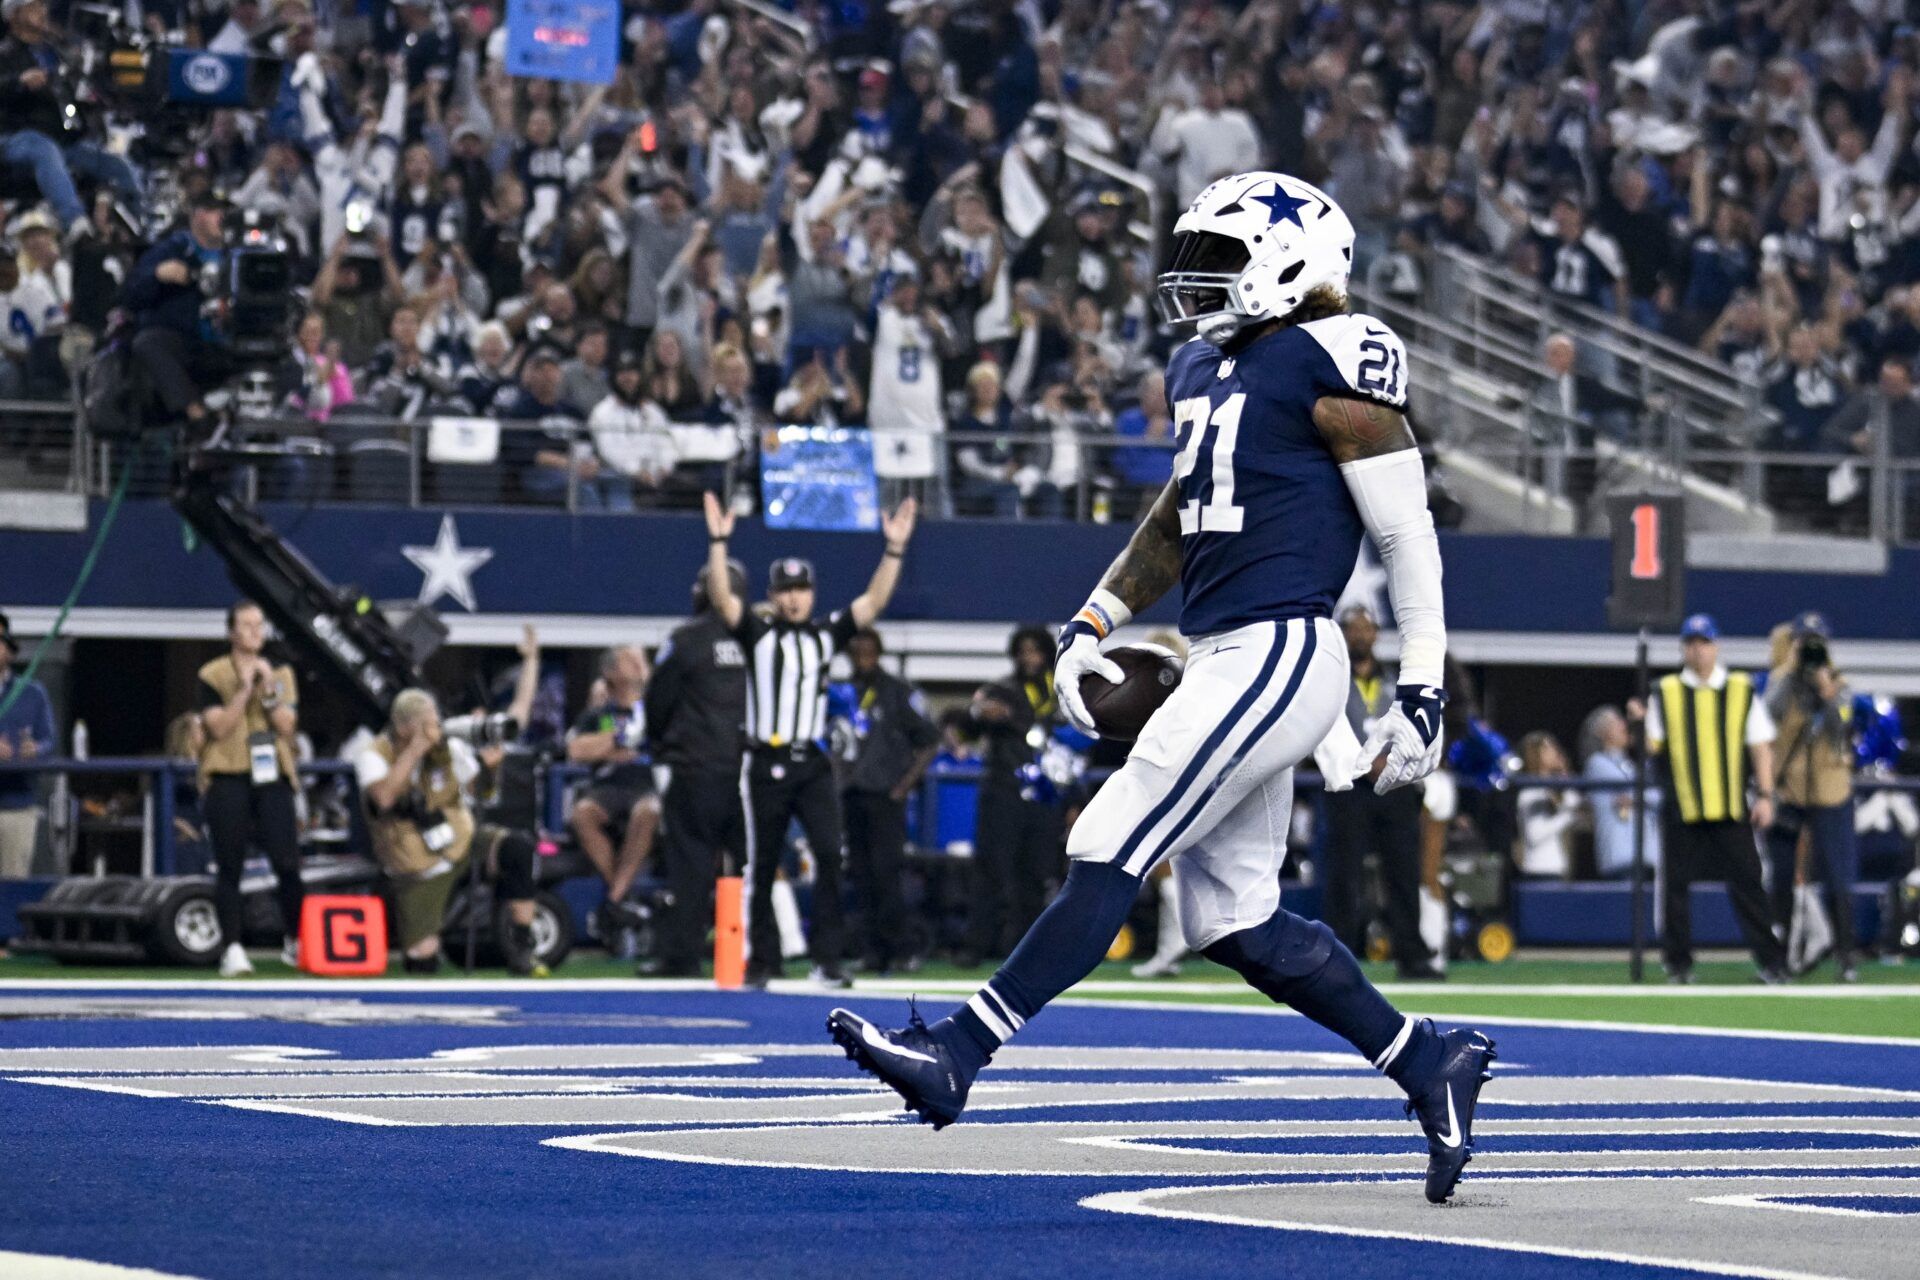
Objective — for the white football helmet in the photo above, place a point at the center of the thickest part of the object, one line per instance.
(1249, 248)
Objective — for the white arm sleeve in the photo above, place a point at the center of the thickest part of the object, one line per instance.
(1391, 493)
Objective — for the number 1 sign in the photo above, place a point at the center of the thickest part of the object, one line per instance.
(1649, 561)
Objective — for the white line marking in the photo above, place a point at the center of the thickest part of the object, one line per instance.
(1140, 1203)
(1772, 1200)
(47, 1266)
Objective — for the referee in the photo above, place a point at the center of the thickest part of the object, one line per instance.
(1715, 735)
(787, 773)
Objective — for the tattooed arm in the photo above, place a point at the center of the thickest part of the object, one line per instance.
(1139, 575)
(1356, 429)
(1150, 565)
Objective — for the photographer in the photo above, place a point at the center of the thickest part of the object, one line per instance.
(248, 708)
(414, 780)
(174, 340)
(1808, 699)
(32, 99)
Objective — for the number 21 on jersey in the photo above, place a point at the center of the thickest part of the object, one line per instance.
(1204, 429)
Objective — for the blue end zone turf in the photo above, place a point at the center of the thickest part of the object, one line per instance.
(315, 1133)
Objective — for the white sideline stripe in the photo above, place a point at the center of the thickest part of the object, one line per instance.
(1502, 1020)
(47, 1266)
(984, 1010)
(1139, 1203)
(1770, 1201)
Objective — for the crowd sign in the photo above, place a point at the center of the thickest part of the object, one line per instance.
(575, 40)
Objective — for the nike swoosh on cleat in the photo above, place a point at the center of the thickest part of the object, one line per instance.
(1452, 1136)
(877, 1041)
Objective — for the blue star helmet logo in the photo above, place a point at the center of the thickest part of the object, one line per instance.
(1282, 207)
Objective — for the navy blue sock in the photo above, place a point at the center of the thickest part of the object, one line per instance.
(1064, 945)
(1300, 963)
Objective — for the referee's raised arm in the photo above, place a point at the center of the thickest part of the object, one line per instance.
(872, 602)
(720, 584)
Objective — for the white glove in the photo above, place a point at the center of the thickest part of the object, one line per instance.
(1410, 736)
(1079, 656)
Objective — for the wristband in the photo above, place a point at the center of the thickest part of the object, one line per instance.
(1104, 612)
(895, 552)
(713, 540)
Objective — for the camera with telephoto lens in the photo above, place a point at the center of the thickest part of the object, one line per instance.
(431, 822)
(1813, 654)
(494, 730)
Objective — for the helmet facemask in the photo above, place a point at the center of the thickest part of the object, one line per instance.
(1197, 287)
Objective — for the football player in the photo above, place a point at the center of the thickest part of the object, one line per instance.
(1288, 412)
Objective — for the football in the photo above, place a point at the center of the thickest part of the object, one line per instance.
(1120, 711)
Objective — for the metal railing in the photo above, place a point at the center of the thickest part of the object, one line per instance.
(1505, 317)
(38, 448)
(1078, 475)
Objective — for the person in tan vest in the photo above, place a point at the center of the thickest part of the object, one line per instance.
(1809, 700)
(249, 710)
(414, 782)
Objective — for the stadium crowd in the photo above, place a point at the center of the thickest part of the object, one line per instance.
(864, 214)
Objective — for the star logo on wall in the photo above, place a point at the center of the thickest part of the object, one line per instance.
(447, 568)
(1282, 207)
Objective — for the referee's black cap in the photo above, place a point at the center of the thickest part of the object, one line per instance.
(788, 573)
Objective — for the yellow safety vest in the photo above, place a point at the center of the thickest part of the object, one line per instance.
(1706, 747)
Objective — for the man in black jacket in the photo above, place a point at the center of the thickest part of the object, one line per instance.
(893, 744)
(183, 353)
(695, 707)
(1017, 837)
(32, 95)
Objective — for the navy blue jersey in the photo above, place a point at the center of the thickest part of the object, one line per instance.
(1268, 529)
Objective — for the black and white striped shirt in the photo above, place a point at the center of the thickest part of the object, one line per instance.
(787, 675)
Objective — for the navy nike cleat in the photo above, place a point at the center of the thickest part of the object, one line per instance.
(1446, 1109)
(910, 1061)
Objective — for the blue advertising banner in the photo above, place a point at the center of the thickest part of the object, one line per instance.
(819, 478)
(540, 563)
(575, 40)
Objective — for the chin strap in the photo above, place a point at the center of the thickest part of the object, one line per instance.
(1222, 328)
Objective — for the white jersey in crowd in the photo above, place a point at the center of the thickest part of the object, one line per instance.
(633, 439)
(30, 310)
(903, 397)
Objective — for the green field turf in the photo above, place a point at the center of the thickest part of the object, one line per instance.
(1886, 1002)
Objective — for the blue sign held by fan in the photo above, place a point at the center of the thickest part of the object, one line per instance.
(576, 40)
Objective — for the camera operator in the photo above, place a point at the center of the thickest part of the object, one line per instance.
(175, 341)
(1808, 699)
(414, 781)
(33, 96)
(247, 777)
